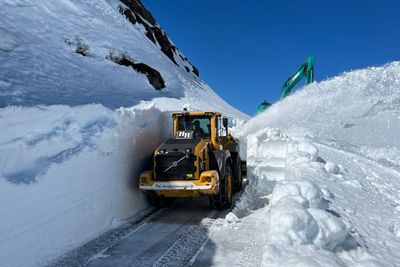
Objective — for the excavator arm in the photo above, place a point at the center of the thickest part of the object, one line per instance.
(306, 70)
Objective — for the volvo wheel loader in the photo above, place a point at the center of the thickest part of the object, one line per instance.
(202, 158)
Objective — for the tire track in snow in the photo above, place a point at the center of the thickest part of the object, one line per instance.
(83, 255)
(172, 237)
(186, 247)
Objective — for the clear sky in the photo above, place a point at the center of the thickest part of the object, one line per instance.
(245, 50)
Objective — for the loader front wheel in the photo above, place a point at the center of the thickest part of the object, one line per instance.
(238, 181)
(223, 200)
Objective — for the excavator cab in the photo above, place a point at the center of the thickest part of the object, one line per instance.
(263, 106)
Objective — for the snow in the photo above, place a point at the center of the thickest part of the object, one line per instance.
(335, 200)
(71, 173)
(40, 67)
(323, 164)
(332, 167)
(231, 218)
(77, 130)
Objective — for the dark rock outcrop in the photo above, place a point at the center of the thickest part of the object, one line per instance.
(154, 77)
(136, 12)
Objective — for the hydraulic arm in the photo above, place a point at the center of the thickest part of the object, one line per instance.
(305, 71)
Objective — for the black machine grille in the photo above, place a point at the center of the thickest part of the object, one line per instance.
(180, 172)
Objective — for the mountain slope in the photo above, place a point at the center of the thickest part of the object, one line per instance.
(71, 52)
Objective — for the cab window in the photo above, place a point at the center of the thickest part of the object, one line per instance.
(200, 125)
(221, 131)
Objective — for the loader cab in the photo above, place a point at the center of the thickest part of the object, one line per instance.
(205, 125)
(224, 138)
(202, 124)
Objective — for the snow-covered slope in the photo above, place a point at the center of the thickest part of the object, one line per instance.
(64, 52)
(86, 90)
(337, 202)
(358, 110)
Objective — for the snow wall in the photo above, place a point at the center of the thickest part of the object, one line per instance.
(69, 174)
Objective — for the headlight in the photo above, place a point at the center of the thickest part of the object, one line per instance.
(187, 153)
(161, 151)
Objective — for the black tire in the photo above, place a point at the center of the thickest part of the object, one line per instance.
(161, 201)
(223, 200)
(238, 177)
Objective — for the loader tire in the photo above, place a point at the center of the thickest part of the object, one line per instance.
(238, 177)
(223, 200)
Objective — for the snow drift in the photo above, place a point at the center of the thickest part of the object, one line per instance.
(358, 111)
(336, 202)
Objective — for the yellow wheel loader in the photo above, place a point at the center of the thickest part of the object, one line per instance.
(202, 158)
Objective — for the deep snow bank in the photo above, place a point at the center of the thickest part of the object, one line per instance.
(358, 111)
(303, 228)
(68, 174)
(337, 203)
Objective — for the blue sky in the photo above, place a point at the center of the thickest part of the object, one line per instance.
(245, 50)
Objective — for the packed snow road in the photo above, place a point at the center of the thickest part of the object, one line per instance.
(175, 236)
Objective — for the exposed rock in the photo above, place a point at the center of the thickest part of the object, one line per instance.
(195, 70)
(136, 12)
(154, 77)
(137, 7)
(128, 14)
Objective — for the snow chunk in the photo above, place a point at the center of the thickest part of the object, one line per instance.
(332, 232)
(309, 148)
(297, 218)
(290, 223)
(231, 218)
(304, 190)
(331, 167)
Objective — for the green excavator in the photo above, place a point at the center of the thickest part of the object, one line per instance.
(305, 71)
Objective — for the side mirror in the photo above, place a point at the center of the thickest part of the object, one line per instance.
(225, 122)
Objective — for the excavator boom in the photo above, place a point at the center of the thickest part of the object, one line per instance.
(305, 71)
